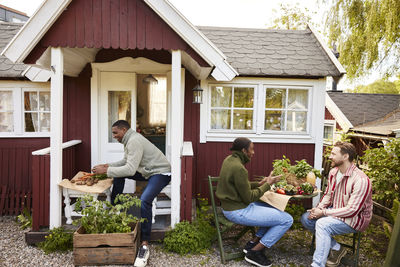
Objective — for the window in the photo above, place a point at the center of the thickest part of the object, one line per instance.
(263, 109)
(36, 111)
(329, 130)
(24, 111)
(286, 109)
(6, 111)
(232, 108)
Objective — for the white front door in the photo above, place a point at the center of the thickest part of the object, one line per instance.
(117, 101)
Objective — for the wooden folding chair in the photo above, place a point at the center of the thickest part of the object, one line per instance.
(223, 225)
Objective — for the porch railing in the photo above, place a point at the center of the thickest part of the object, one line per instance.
(41, 180)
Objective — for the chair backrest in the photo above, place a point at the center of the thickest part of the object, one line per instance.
(213, 188)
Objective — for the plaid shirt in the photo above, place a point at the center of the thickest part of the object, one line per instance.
(350, 200)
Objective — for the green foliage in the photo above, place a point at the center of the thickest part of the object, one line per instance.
(384, 171)
(292, 18)
(368, 34)
(302, 168)
(58, 240)
(307, 188)
(344, 137)
(25, 219)
(193, 237)
(296, 211)
(378, 87)
(100, 217)
(393, 215)
(281, 166)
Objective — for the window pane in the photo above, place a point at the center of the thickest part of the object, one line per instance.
(221, 96)
(296, 121)
(30, 101)
(119, 108)
(220, 119)
(275, 98)
(243, 97)
(6, 101)
(328, 132)
(297, 99)
(6, 122)
(243, 119)
(44, 101)
(274, 120)
(44, 122)
(31, 122)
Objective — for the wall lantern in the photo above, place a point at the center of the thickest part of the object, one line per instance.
(197, 95)
(150, 79)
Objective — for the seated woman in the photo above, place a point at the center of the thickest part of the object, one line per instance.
(240, 203)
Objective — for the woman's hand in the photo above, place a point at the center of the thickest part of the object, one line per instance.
(270, 179)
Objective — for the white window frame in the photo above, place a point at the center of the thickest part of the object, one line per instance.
(18, 88)
(333, 124)
(315, 111)
(232, 85)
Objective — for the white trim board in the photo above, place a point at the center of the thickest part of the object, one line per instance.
(339, 116)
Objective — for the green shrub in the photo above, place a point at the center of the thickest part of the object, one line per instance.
(189, 237)
(58, 240)
(193, 237)
(384, 171)
(296, 211)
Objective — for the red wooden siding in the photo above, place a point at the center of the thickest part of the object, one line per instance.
(15, 172)
(208, 157)
(329, 116)
(186, 188)
(117, 24)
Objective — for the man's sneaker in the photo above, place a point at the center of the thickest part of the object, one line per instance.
(257, 258)
(142, 256)
(335, 257)
(249, 245)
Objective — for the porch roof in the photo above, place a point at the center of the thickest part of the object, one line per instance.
(89, 20)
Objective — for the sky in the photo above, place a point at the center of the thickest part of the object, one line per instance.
(227, 13)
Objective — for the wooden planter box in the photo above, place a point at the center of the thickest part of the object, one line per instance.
(105, 249)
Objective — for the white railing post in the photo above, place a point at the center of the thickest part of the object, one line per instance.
(56, 122)
(176, 132)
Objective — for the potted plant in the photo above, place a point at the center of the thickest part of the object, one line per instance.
(107, 233)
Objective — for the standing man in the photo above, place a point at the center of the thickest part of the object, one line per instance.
(241, 205)
(346, 206)
(142, 162)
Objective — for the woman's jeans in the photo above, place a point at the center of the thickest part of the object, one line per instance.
(325, 228)
(154, 186)
(272, 222)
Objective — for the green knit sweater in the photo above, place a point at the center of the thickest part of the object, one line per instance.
(234, 189)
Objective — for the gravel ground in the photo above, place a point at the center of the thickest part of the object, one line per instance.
(291, 250)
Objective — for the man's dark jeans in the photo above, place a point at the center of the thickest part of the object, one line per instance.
(154, 186)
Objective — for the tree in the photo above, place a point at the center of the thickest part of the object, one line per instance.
(378, 87)
(293, 18)
(367, 33)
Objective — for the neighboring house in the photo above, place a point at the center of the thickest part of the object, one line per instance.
(370, 119)
(11, 15)
(268, 85)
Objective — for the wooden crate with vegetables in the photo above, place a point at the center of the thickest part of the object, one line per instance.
(107, 234)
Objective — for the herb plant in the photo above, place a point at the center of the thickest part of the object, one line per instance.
(25, 219)
(58, 240)
(100, 217)
(281, 166)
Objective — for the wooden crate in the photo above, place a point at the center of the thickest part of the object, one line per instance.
(105, 249)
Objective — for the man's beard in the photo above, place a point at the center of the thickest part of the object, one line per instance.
(337, 163)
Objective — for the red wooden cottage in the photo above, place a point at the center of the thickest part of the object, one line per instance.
(268, 85)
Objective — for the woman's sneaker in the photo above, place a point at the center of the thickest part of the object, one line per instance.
(257, 258)
(142, 256)
(249, 245)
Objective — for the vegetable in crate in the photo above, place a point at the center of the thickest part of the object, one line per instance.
(307, 188)
(290, 189)
(281, 166)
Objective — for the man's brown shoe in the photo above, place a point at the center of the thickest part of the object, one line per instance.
(335, 256)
